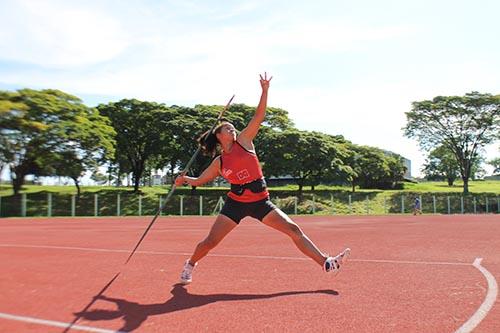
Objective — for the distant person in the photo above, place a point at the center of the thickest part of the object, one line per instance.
(239, 165)
(417, 208)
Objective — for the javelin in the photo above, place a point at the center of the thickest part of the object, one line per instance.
(174, 186)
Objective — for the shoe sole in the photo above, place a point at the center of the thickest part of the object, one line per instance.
(344, 255)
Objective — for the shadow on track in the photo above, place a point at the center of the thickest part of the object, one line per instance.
(134, 314)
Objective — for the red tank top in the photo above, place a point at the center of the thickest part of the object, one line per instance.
(241, 166)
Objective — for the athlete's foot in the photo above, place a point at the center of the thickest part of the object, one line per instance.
(187, 273)
(334, 264)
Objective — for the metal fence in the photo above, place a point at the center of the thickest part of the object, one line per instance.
(128, 204)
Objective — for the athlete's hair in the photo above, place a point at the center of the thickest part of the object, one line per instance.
(208, 140)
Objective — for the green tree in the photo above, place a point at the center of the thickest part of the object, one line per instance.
(374, 168)
(189, 123)
(310, 157)
(495, 163)
(186, 126)
(396, 172)
(142, 133)
(441, 164)
(369, 165)
(42, 128)
(463, 124)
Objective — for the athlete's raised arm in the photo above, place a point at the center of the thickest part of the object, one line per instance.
(250, 132)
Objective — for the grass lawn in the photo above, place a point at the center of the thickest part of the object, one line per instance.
(435, 196)
(489, 186)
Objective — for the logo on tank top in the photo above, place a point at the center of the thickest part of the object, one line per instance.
(243, 174)
(226, 172)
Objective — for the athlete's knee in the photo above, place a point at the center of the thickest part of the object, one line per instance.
(294, 231)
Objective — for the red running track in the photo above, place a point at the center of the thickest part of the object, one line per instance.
(406, 274)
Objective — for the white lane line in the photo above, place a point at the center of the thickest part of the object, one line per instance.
(379, 261)
(488, 302)
(54, 323)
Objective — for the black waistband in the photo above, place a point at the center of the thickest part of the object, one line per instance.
(256, 186)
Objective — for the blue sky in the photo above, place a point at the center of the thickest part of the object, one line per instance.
(340, 67)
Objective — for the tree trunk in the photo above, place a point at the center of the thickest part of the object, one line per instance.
(17, 183)
(353, 187)
(450, 181)
(18, 180)
(466, 176)
(136, 183)
(466, 185)
(300, 188)
(77, 184)
(136, 176)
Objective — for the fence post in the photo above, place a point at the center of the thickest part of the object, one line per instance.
(49, 204)
(118, 210)
(201, 205)
(350, 207)
(474, 202)
(295, 205)
(434, 203)
(402, 204)
(96, 204)
(314, 204)
(421, 204)
(332, 204)
(462, 205)
(181, 206)
(448, 200)
(367, 205)
(73, 205)
(23, 205)
(159, 204)
(140, 205)
(487, 204)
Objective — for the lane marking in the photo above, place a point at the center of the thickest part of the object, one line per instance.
(378, 261)
(488, 302)
(54, 323)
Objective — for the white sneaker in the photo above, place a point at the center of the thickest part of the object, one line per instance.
(187, 272)
(333, 264)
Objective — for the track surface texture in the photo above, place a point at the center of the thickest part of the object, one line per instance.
(406, 274)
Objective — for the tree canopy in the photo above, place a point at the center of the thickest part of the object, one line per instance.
(463, 124)
(52, 133)
(41, 128)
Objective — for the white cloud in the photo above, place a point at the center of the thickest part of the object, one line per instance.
(187, 53)
(57, 34)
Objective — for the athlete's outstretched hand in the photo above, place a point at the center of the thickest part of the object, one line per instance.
(264, 81)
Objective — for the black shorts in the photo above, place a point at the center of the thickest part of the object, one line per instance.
(237, 210)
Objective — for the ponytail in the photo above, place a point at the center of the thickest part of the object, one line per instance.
(208, 141)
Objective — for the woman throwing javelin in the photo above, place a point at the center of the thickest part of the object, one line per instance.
(239, 165)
